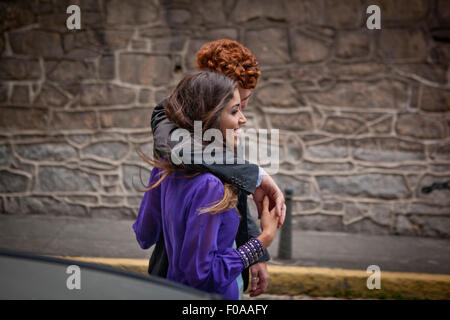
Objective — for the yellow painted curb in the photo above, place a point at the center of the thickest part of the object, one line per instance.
(291, 280)
(294, 280)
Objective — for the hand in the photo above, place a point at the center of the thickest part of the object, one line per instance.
(269, 188)
(269, 222)
(259, 285)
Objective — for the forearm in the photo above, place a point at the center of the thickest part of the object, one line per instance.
(254, 232)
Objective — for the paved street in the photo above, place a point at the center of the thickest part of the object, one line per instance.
(69, 236)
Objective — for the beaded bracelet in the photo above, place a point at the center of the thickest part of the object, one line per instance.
(250, 252)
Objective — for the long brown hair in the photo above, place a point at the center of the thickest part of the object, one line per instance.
(199, 96)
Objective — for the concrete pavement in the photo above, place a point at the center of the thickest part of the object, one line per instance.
(319, 255)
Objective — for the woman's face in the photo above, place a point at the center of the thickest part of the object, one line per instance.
(245, 95)
(232, 118)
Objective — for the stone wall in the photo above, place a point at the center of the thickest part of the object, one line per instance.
(364, 115)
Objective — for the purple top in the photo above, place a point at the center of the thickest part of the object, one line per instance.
(199, 246)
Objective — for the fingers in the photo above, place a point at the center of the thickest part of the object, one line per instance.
(259, 207)
(259, 284)
(279, 202)
(283, 216)
(265, 207)
(254, 283)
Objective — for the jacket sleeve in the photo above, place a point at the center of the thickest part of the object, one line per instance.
(206, 267)
(161, 128)
(244, 176)
(147, 226)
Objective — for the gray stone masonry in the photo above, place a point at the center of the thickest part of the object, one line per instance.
(364, 115)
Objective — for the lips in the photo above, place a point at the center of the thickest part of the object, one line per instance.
(237, 132)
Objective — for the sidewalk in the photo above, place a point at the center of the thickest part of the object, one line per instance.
(339, 259)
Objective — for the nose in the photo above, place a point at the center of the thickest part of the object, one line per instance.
(242, 119)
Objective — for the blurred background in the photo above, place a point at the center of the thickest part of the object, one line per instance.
(364, 117)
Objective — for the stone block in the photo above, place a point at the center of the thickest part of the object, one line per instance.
(402, 11)
(46, 151)
(371, 185)
(299, 187)
(50, 96)
(443, 10)
(112, 150)
(130, 118)
(279, 95)
(13, 182)
(437, 196)
(3, 92)
(353, 44)
(176, 17)
(60, 179)
(20, 95)
(383, 94)
(145, 69)
(118, 213)
(304, 11)
(430, 71)
(403, 226)
(330, 205)
(402, 44)
(319, 222)
(208, 12)
(106, 67)
(435, 100)
(135, 177)
(134, 12)
(384, 126)
(247, 10)
(440, 151)
(68, 70)
(353, 212)
(344, 14)
(146, 148)
(19, 69)
(420, 126)
(386, 150)
(438, 226)
(269, 45)
(16, 14)
(92, 43)
(43, 206)
(341, 125)
(298, 121)
(327, 150)
(5, 155)
(355, 69)
(105, 95)
(23, 118)
(426, 209)
(304, 206)
(382, 214)
(308, 49)
(36, 43)
(145, 96)
(309, 166)
(367, 227)
(73, 120)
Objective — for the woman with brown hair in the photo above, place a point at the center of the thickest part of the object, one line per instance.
(197, 213)
(234, 60)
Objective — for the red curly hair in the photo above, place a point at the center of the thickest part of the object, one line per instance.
(232, 59)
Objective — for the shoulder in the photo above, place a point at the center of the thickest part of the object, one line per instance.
(207, 183)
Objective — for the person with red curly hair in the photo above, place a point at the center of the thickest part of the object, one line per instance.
(237, 62)
(233, 60)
